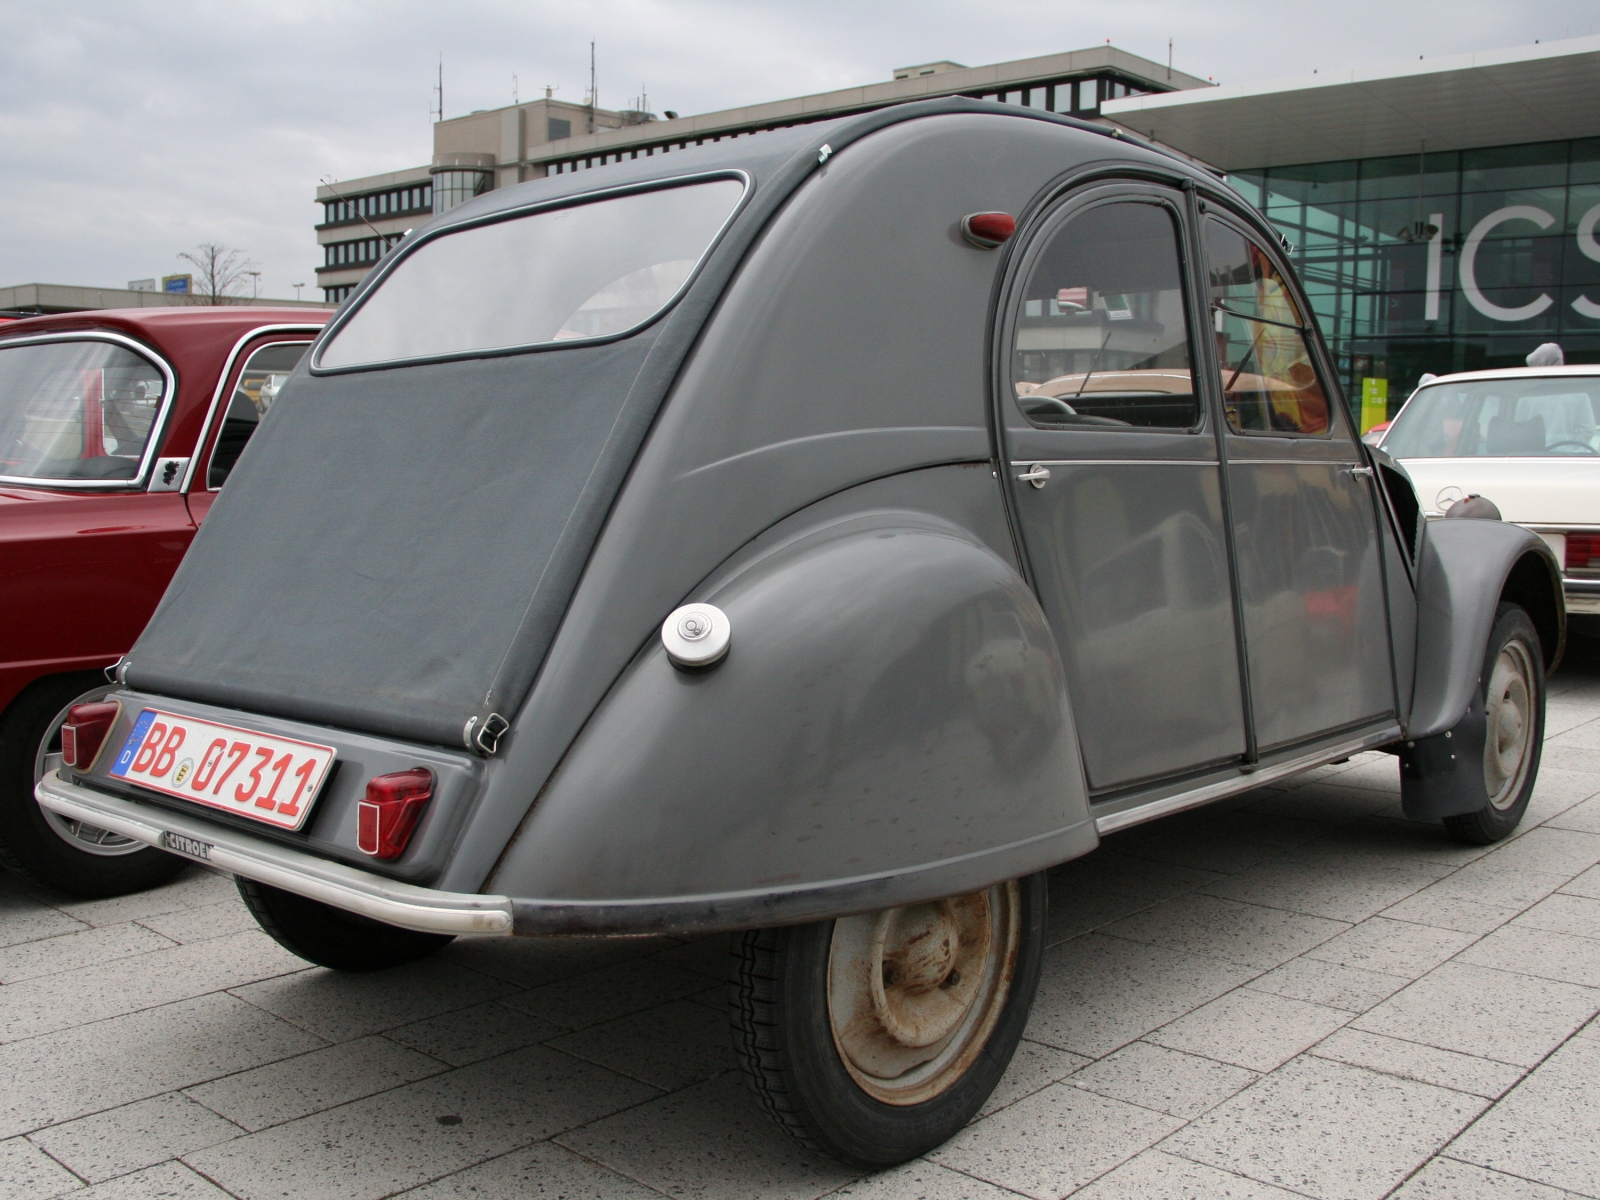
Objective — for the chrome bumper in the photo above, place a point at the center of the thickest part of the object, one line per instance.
(306, 875)
(1583, 595)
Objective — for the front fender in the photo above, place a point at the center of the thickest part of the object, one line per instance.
(1466, 567)
(890, 724)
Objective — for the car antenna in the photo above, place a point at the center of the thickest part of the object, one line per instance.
(328, 183)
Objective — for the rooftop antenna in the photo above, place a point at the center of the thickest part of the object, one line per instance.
(438, 91)
(594, 98)
(514, 99)
(1169, 58)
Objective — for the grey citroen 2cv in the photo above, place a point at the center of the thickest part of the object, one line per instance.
(813, 536)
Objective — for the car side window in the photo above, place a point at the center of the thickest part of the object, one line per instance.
(257, 387)
(1102, 330)
(1269, 381)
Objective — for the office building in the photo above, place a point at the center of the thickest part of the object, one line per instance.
(495, 148)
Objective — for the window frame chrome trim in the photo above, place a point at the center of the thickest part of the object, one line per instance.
(1118, 462)
(158, 425)
(222, 383)
(405, 248)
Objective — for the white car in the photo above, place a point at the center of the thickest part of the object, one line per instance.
(1526, 438)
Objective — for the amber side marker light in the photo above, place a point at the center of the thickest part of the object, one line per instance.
(85, 732)
(987, 230)
(388, 814)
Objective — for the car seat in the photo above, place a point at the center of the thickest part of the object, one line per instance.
(1508, 436)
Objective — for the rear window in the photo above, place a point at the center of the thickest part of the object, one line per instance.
(568, 274)
(1499, 418)
(76, 410)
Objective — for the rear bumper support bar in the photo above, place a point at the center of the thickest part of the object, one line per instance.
(356, 891)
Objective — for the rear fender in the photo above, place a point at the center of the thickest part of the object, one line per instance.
(890, 725)
(1465, 569)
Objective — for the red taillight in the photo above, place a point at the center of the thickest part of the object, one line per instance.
(988, 229)
(1583, 551)
(388, 814)
(85, 732)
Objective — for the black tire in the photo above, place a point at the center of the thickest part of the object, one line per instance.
(332, 937)
(786, 1043)
(46, 849)
(1512, 638)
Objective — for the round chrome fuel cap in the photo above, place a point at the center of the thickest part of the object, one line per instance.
(696, 635)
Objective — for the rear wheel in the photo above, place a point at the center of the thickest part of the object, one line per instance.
(875, 1038)
(42, 846)
(332, 937)
(1513, 698)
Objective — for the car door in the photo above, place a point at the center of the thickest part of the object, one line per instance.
(1311, 586)
(87, 546)
(248, 392)
(1116, 479)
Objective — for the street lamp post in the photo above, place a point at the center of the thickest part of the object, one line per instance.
(255, 283)
(297, 288)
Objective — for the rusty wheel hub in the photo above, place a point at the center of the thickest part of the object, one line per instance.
(1510, 719)
(914, 992)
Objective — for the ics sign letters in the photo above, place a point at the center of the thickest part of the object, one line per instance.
(1469, 260)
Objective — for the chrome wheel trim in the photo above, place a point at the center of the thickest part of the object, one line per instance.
(88, 839)
(914, 992)
(1509, 720)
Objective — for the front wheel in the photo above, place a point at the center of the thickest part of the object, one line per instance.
(875, 1038)
(1513, 706)
(332, 937)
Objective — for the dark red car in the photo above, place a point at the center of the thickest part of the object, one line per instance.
(117, 429)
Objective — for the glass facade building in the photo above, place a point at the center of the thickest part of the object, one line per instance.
(1442, 261)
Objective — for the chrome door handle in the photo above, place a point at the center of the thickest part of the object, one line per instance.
(1036, 475)
(1359, 472)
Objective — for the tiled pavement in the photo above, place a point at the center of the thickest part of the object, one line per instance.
(1294, 994)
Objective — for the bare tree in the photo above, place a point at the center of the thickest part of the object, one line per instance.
(219, 273)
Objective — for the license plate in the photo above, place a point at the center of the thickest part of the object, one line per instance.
(270, 779)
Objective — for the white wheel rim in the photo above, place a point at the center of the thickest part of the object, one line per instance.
(914, 992)
(87, 838)
(1509, 719)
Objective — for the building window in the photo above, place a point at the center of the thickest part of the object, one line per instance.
(557, 128)
(391, 203)
(451, 188)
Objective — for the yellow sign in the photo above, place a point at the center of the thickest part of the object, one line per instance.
(1374, 403)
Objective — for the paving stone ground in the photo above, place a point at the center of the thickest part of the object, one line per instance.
(1296, 993)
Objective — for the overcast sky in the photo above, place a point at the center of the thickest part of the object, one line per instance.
(133, 129)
